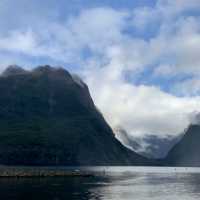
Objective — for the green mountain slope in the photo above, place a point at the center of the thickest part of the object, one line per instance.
(47, 117)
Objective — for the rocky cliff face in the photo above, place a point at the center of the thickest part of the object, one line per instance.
(47, 117)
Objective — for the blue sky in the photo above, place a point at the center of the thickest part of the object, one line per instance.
(140, 58)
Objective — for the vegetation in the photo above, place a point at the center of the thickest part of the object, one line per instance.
(47, 118)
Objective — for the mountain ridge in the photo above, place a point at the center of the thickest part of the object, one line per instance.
(48, 118)
(186, 151)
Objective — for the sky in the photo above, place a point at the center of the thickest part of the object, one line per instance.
(139, 58)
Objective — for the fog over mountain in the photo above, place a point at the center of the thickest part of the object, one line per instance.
(194, 118)
(155, 146)
(151, 146)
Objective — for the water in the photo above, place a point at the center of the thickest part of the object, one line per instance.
(112, 183)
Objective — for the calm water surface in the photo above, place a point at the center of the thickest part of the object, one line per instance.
(110, 183)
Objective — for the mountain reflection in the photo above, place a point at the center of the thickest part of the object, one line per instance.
(115, 184)
(49, 188)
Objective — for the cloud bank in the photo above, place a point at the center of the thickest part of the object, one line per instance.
(141, 63)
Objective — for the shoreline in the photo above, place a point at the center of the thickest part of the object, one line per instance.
(41, 171)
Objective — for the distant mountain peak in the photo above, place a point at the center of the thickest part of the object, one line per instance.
(58, 72)
(43, 68)
(48, 69)
(13, 70)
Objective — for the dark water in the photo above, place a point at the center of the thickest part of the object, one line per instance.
(116, 183)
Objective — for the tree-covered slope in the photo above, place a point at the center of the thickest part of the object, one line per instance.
(47, 117)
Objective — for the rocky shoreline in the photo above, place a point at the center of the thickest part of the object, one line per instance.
(21, 171)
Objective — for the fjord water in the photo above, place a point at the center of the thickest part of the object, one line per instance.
(110, 183)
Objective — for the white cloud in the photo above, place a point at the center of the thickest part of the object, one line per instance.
(189, 87)
(18, 41)
(145, 109)
(164, 70)
(140, 109)
(194, 118)
(99, 41)
(178, 5)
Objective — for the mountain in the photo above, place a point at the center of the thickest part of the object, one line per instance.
(187, 151)
(157, 147)
(47, 117)
(126, 139)
(13, 70)
(151, 146)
